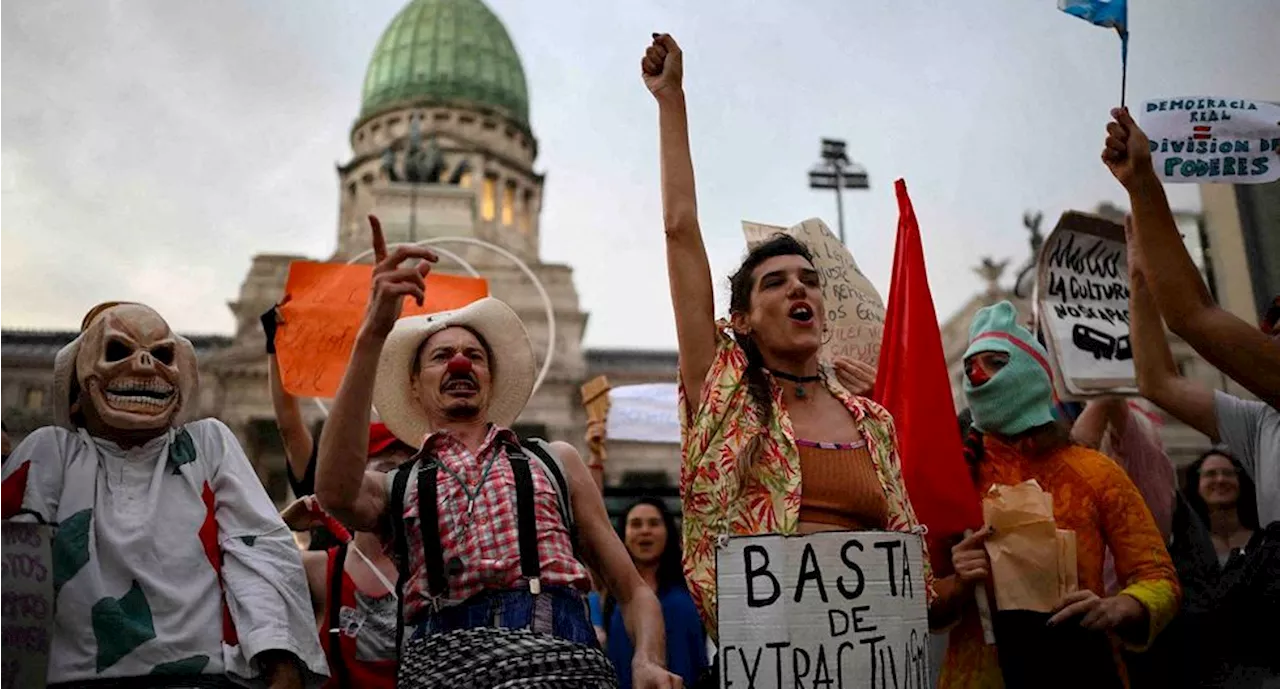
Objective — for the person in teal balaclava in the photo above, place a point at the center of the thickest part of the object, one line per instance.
(1007, 380)
(1009, 386)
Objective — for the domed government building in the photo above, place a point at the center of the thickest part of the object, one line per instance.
(441, 146)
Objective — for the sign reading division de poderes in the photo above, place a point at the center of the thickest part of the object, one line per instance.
(832, 610)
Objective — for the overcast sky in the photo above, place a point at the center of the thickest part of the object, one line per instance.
(152, 147)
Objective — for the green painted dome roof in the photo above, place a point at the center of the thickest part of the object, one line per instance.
(449, 51)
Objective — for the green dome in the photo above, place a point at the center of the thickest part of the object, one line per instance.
(446, 51)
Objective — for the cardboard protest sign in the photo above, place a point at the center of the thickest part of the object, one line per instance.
(835, 609)
(595, 398)
(1206, 140)
(28, 604)
(1082, 295)
(323, 310)
(855, 310)
(645, 413)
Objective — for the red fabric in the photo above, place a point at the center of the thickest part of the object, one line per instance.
(370, 674)
(14, 490)
(380, 438)
(213, 551)
(912, 383)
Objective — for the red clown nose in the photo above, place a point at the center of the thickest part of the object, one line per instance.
(459, 365)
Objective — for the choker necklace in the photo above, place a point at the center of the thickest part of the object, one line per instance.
(800, 381)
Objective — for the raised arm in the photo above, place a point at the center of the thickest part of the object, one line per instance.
(603, 552)
(1234, 346)
(299, 446)
(356, 497)
(1098, 415)
(692, 293)
(1158, 377)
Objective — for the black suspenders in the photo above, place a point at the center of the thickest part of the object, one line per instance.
(400, 542)
(429, 523)
(526, 521)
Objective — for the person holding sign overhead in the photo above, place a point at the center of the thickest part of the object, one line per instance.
(1009, 387)
(772, 440)
(1163, 276)
(491, 535)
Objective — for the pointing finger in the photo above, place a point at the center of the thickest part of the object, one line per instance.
(379, 241)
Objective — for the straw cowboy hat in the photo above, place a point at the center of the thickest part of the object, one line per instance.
(511, 366)
(66, 385)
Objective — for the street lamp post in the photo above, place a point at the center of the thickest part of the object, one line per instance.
(836, 171)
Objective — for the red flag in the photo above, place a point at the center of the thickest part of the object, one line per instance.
(912, 383)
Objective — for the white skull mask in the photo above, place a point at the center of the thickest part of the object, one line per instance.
(133, 370)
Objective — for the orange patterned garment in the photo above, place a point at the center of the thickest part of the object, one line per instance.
(1093, 497)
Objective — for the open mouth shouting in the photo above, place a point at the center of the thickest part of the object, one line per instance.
(460, 385)
(802, 314)
(139, 394)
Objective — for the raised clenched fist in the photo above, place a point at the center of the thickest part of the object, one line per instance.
(663, 66)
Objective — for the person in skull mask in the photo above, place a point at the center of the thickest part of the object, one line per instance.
(482, 528)
(171, 566)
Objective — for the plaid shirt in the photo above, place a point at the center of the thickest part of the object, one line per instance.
(487, 540)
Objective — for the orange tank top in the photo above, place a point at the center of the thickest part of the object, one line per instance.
(839, 486)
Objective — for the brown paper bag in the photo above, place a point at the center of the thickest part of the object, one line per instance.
(1068, 579)
(1024, 547)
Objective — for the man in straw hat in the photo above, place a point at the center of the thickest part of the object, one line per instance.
(491, 587)
(171, 567)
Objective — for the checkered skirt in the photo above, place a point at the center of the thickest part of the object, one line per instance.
(499, 658)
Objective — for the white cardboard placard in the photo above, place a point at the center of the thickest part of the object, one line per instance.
(837, 609)
(1082, 297)
(27, 575)
(647, 413)
(1213, 140)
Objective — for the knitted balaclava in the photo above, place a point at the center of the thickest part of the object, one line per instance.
(1020, 395)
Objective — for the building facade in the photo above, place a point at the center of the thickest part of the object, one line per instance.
(442, 151)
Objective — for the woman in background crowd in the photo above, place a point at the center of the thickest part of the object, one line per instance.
(649, 532)
(1212, 643)
(1221, 494)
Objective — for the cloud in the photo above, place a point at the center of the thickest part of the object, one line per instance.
(150, 148)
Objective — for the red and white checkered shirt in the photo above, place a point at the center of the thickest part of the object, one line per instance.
(486, 541)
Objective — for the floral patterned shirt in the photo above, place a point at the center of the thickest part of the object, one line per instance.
(716, 436)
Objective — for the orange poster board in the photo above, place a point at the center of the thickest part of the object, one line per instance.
(323, 310)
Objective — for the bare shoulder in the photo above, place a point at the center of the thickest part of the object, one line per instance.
(572, 462)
